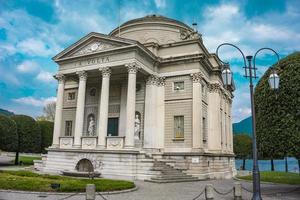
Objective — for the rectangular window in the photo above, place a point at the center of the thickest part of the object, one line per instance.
(178, 127)
(68, 130)
(71, 96)
(179, 85)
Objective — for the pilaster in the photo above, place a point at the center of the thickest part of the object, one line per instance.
(197, 125)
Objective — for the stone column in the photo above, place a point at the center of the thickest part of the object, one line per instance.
(197, 111)
(150, 112)
(58, 109)
(130, 106)
(160, 114)
(80, 108)
(122, 121)
(103, 107)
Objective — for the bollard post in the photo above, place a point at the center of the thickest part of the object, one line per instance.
(90, 192)
(209, 192)
(237, 191)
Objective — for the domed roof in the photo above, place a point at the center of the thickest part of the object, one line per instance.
(152, 28)
(152, 19)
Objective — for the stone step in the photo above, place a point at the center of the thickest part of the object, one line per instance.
(173, 180)
(171, 177)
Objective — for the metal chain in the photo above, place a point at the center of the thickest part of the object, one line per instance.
(101, 196)
(69, 196)
(199, 195)
(222, 193)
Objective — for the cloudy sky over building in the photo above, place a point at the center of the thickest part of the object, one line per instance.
(32, 32)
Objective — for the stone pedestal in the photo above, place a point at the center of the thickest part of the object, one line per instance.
(88, 142)
(115, 142)
(66, 142)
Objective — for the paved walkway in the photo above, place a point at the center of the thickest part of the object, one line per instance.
(173, 191)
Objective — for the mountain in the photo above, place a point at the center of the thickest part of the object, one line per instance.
(6, 112)
(244, 126)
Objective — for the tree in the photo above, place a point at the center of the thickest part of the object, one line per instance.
(46, 134)
(242, 147)
(48, 112)
(8, 134)
(29, 135)
(277, 112)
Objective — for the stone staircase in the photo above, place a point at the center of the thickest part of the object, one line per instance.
(168, 174)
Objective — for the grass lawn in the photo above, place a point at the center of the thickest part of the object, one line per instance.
(277, 177)
(28, 160)
(29, 181)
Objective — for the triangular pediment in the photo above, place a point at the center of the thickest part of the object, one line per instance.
(93, 43)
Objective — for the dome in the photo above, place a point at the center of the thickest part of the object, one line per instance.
(152, 28)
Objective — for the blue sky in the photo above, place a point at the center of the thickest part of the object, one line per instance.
(31, 32)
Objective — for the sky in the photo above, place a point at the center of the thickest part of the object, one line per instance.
(33, 31)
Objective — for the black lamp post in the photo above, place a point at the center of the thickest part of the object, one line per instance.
(250, 72)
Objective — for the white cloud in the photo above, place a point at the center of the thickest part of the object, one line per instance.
(34, 47)
(160, 3)
(45, 76)
(32, 101)
(227, 23)
(28, 67)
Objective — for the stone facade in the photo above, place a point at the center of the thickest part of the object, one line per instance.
(147, 92)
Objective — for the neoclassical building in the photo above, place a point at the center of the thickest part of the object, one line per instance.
(145, 100)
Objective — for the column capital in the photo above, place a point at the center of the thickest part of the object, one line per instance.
(60, 78)
(197, 77)
(82, 75)
(214, 87)
(132, 68)
(161, 81)
(152, 80)
(106, 71)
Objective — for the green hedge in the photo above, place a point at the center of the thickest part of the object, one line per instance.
(8, 134)
(29, 133)
(46, 134)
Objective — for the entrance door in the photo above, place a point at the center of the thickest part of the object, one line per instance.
(113, 126)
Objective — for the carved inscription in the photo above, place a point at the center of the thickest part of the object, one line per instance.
(92, 61)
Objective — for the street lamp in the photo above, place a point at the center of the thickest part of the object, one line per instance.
(250, 72)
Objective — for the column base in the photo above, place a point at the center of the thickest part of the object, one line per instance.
(100, 147)
(76, 146)
(200, 150)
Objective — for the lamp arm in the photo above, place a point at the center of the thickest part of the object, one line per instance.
(266, 48)
(229, 44)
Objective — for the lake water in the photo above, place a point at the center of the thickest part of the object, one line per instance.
(265, 165)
